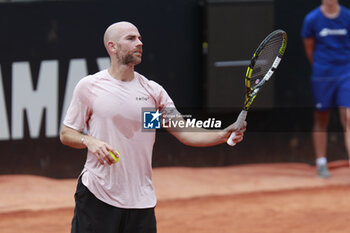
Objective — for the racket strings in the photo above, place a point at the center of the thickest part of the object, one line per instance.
(265, 59)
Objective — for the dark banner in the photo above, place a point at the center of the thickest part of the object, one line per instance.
(47, 47)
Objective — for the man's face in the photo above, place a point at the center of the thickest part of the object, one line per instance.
(129, 46)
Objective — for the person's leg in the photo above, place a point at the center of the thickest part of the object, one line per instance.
(344, 114)
(92, 215)
(319, 135)
(141, 221)
(343, 101)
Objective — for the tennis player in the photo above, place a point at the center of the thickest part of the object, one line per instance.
(119, 197)
(326, 36)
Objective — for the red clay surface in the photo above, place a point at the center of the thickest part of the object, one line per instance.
(260, 198)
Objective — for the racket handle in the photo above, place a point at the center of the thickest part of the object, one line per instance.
(240, 121)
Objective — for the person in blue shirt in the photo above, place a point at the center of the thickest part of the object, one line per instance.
(326, 38)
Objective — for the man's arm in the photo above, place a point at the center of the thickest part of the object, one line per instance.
(309, 45)
(200, 137)
(74, 138)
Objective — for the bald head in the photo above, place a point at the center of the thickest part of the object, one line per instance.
(116, 30)
(123, 43)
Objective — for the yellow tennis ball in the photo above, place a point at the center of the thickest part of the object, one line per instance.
(114, 157)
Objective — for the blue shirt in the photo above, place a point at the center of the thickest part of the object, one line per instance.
(331, 57)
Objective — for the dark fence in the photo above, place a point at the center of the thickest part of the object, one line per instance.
(62, 41)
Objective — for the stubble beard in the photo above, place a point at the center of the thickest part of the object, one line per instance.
(129, 59)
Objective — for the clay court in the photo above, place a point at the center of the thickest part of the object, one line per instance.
(246, 199)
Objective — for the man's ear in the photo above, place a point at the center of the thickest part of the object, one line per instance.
(112, 47)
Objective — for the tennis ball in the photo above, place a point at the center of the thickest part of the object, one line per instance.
(114, 157)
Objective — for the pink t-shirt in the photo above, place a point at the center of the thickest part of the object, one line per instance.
(111, 110)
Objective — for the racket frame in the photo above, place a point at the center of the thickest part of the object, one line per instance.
(251, 92)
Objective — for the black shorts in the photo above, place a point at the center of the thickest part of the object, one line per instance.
(94, 216)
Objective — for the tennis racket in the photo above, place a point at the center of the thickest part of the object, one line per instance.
(262, 66)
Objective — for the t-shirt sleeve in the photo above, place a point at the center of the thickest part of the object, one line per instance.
(165, 104)
(79, 109)
(307, 30)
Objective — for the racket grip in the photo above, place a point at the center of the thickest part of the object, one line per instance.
(240, 121)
